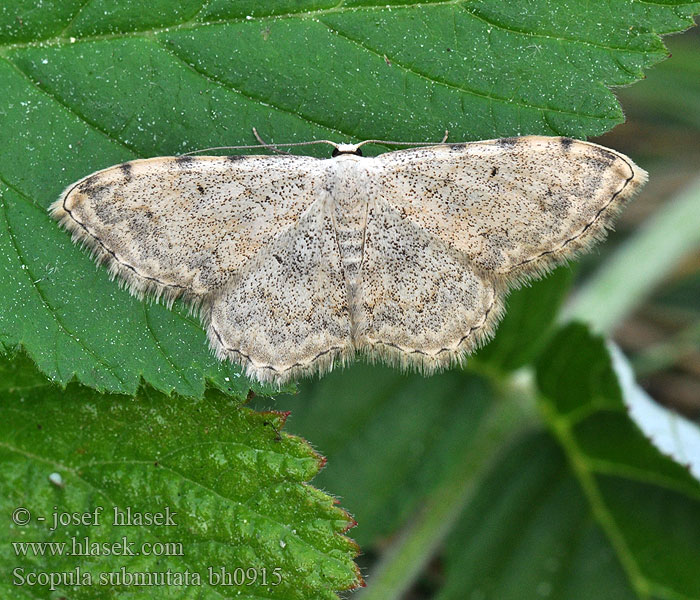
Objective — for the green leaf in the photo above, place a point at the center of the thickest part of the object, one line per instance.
(529, 534)
(647, 505)
(89, 84)
(234, 482)
(412, 424)
(592, 510)
(530, 314)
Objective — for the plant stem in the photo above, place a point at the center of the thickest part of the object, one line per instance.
(412, 550)
(666, 354)
(640, 264)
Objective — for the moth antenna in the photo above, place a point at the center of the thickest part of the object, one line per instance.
(262, 144)
(395, 143)
(268, 146)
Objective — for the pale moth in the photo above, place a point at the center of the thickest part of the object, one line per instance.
(297, 263)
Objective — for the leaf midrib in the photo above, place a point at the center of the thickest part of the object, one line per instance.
(560, 427)
(192, 23)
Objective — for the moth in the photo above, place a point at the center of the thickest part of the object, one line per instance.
(297, 263)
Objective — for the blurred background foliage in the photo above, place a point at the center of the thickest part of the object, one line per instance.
(662, 336)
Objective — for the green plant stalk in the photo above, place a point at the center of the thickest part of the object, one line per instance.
(665, 354)
(406, 560)
(640, 264)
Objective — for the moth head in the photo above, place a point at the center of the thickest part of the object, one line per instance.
(341, 149)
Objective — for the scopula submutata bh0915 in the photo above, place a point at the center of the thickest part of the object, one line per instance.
(297, 262)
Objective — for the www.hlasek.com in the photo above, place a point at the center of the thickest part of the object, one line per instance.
(79, 546)
(87, 547)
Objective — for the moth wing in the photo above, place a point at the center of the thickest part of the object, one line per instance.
(184, 226)
(516, 206)
(285, 315)
(421, 303)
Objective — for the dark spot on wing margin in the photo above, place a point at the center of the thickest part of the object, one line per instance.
(125, 168)
(508, 142)
(184, 161)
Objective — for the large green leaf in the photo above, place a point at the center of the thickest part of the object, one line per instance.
(648, 505)
(234, 480)
(592, 511)
(89, 84)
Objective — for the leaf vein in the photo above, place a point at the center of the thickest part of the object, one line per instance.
(91, 124)
(227, 86)
(577, 460)
(547, 36)
(42, 297)
(616, 469)
(73, 19)
(464, 89)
